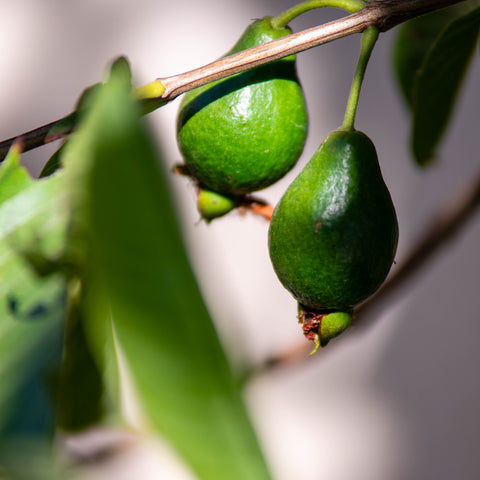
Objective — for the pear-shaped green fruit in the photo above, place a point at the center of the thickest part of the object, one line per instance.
(334, 233)
(213, 205)
(243, 133)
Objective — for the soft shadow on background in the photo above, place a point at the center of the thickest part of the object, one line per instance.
(396, 400)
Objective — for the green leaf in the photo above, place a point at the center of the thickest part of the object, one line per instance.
(138, 262)
(29, 459)
(34, 221)
(53, 163)
(412, 42)
(31, 221)
(438, 83)
(81, 388)
(13, 177)
(30, 346)
(31, 313)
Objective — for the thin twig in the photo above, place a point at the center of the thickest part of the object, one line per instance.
(268, 52)
(447, 223)
(385, 14)
(32, 139)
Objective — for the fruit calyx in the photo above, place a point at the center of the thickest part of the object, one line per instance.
(321, 326)
(212, 205)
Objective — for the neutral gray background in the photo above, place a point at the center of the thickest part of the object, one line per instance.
(398, 400)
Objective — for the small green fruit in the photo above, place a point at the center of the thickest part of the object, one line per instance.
(322, 327)
(241, 134)
(332, 325)
(213, 205)
(334, 233)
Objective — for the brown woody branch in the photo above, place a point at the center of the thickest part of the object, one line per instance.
(447, 223)
(385, 14)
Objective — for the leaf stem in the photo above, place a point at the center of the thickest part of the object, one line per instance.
(369, 39)
(286, 17)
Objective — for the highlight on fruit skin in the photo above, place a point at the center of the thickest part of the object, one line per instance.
(334, 233)
(213, 205)
(243, 133)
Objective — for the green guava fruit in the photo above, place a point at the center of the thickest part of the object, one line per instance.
(243, 133)
(333, 235)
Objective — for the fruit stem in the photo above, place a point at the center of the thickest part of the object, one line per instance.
(369, 39)
(282, 20)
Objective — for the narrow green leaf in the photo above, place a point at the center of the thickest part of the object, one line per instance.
(438, 83)
(184, 382)
(53, 163)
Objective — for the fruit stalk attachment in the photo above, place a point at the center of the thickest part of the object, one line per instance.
(286, 17)
(369, 38)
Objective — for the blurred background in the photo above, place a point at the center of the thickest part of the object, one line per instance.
(396, 396)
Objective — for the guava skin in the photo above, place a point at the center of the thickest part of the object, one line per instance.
(333, 235)
(243, 133)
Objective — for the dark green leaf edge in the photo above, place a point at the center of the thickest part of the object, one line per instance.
(438, 82)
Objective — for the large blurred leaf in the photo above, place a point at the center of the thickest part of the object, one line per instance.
(80, 385)
(137, 260)
(30, 346)
(31, 313)
(438, 82)
(30, 305)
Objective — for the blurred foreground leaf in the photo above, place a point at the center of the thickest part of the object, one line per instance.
(80, 384)
(138, 266)
(31, 314)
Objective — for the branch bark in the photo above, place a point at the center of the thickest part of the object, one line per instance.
(384, 14)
